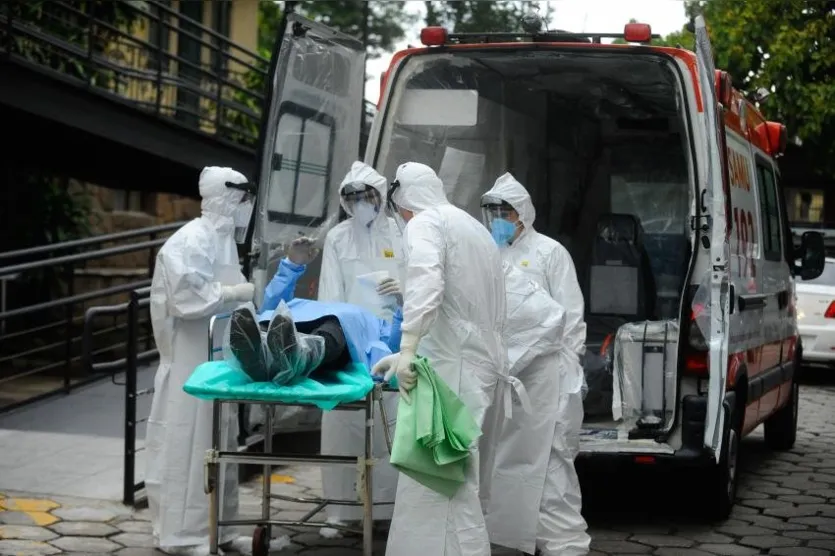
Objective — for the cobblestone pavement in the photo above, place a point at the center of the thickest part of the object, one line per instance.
(786, 507)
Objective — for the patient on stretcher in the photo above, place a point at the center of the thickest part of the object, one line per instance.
(291, 339)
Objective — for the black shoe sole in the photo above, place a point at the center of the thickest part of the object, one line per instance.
(281, 341)
(245, 344)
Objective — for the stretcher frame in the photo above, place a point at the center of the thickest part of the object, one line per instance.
(215, 458)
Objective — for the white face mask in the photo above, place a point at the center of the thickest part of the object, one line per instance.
(242, 217)
(365, 212)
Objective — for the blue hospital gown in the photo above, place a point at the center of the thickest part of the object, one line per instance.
(369, 338)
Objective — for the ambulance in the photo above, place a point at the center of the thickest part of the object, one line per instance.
(644, 162)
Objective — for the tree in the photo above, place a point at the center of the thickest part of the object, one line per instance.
(380, 23)
(474, 16)
(788, 48)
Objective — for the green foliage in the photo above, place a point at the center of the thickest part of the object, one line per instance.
(788, 48)
(385, 26)
(475, 16)
(47, 210)
(69, 22)
(39, 209)
(386, 21)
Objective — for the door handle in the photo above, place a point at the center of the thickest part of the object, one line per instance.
(783, 299)
(731, 299)
(748, 302)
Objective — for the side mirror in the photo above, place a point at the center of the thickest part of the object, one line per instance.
(812, 256)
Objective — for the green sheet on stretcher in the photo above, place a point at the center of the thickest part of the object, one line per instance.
(219, 380)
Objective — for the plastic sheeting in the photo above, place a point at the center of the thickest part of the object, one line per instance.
(311, 139)
(599, 379)
(281, 354)
(220, 380)
(645, 365)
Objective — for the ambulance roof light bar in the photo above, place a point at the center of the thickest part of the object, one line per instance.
(439, 36)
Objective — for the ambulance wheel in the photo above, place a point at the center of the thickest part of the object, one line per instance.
(260, 542)
(781, 427)
(722, 477)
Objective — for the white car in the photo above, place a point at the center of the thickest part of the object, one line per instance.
(816, 315)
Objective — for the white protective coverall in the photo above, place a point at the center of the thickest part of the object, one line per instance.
(534, 334)
(192, 277)
(562, 528)
(454, 309)
(353, 248)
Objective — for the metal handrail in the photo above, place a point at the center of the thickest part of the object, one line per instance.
(79, 257)
(67, 305)
(90, 241)
(138, 300)
(208, 106)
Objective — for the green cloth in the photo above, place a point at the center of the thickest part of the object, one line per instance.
(433, 433)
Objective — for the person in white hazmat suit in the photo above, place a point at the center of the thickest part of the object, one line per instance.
(453, 314)
(538, 356)
(197, 275)
(509, 214)
(367, 242)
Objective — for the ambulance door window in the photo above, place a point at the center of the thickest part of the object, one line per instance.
(769, 212)
(300, 171)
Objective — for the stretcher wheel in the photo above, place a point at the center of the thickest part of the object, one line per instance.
(260, 541)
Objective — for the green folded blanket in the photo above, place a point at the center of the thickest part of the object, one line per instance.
(433, 433)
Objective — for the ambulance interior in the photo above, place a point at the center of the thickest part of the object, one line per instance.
(600, 142)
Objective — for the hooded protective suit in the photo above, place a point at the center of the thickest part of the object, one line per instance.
(353, 248)
(454, 312)
(537, 356)
(196, 276)
(562, 528)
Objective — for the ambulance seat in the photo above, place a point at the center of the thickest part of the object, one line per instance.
(620, 278)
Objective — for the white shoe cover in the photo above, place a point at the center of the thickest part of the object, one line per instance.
(240, 545)
(330, 533)
(199, 550)
(280, 543)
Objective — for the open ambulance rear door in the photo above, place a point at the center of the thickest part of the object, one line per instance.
(715, 200)
(309, 138)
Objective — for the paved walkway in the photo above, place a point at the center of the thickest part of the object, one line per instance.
(786, 508)
(72, 445)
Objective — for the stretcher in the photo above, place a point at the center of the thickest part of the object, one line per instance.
(216, 457)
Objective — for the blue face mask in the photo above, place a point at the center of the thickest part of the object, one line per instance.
(502, 231)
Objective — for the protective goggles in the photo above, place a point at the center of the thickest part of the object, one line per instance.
(249, 188)
(492, 211)
(355, 187)
(369, 195)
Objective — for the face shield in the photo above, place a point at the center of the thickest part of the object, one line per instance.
(500, 218)
(362, 202)
(243, 212)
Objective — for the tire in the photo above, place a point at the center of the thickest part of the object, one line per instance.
(722, 477)
(260, 541)
(781, 427)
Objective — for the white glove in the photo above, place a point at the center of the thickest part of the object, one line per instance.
(399, 364)
(238, 292)
(302, 250)
(390, 286)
